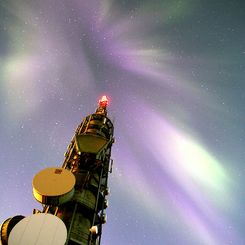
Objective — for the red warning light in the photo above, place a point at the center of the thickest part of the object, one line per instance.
(104, 101)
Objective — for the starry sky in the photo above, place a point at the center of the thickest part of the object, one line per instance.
(174, 72)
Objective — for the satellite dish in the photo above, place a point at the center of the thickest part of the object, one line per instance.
(53, 186)
(39, 229)
(6, 228)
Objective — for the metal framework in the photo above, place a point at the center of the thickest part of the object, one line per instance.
(88, 158)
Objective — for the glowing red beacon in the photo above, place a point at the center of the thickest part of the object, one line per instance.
(104, 102)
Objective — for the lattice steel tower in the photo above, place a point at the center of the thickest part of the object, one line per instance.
(74, 196)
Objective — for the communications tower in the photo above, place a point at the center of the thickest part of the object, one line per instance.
(74, 196)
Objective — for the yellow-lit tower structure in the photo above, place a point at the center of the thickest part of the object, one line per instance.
(73, 196)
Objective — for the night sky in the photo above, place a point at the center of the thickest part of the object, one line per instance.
(174, 72)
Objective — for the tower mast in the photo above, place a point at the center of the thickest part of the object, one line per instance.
(74, 194)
